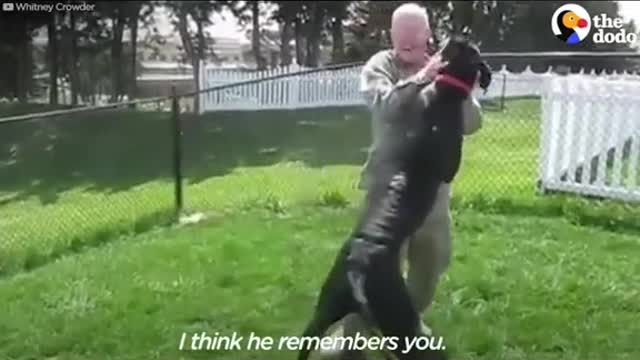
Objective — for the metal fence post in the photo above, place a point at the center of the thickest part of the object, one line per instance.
(504, 91)
(177, 150)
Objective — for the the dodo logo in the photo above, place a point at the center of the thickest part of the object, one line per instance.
(571, 23)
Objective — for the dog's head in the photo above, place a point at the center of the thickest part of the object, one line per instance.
(464, 62)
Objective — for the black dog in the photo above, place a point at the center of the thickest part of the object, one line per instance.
(366, 276)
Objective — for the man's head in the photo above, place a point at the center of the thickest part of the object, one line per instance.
(410, 33)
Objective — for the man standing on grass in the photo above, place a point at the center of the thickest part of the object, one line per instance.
(428, 251)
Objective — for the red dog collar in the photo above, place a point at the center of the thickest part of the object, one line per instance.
(455, 82)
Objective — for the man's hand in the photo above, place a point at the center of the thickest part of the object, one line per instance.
(431, 69)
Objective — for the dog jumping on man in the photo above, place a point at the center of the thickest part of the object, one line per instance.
(366, 277)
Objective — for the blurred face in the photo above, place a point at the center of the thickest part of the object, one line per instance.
(409, 37)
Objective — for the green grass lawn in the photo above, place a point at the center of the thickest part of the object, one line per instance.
(519, 288)
(84, 274)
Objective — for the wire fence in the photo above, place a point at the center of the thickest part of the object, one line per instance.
(75, 178)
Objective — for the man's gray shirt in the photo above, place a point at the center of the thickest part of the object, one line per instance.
(380, 77)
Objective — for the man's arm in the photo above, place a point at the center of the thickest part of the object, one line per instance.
(378, 87)
(377, 82)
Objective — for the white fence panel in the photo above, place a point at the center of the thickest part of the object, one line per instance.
(328, 88)
(340, 87)
(590, 136)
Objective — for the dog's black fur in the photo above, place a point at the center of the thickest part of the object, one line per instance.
(366, 276)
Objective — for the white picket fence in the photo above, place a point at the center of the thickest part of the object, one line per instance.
(328, 88)
(339, 88)
(320, 89)
(590, 139)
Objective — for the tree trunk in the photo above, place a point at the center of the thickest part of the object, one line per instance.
(28, 70)
(93, 78)
(337, 54)
(255, 36)
(116, 56)
(188, 47)
(24, 61)
(315, 31)
(299, 35)
(285, 39)
(73, 71)
(133, 85)
(201, 51)
(202, 43)
(53, 60)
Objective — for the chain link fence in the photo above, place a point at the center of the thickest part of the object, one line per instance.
(313, 155)
(76, 178)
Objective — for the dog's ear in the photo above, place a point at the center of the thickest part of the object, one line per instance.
(451, 48)
(485, 75)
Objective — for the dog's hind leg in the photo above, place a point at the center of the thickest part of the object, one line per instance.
(328, 312)
(334, 302)
(316, 328)
(377, 288)
(391, 308)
